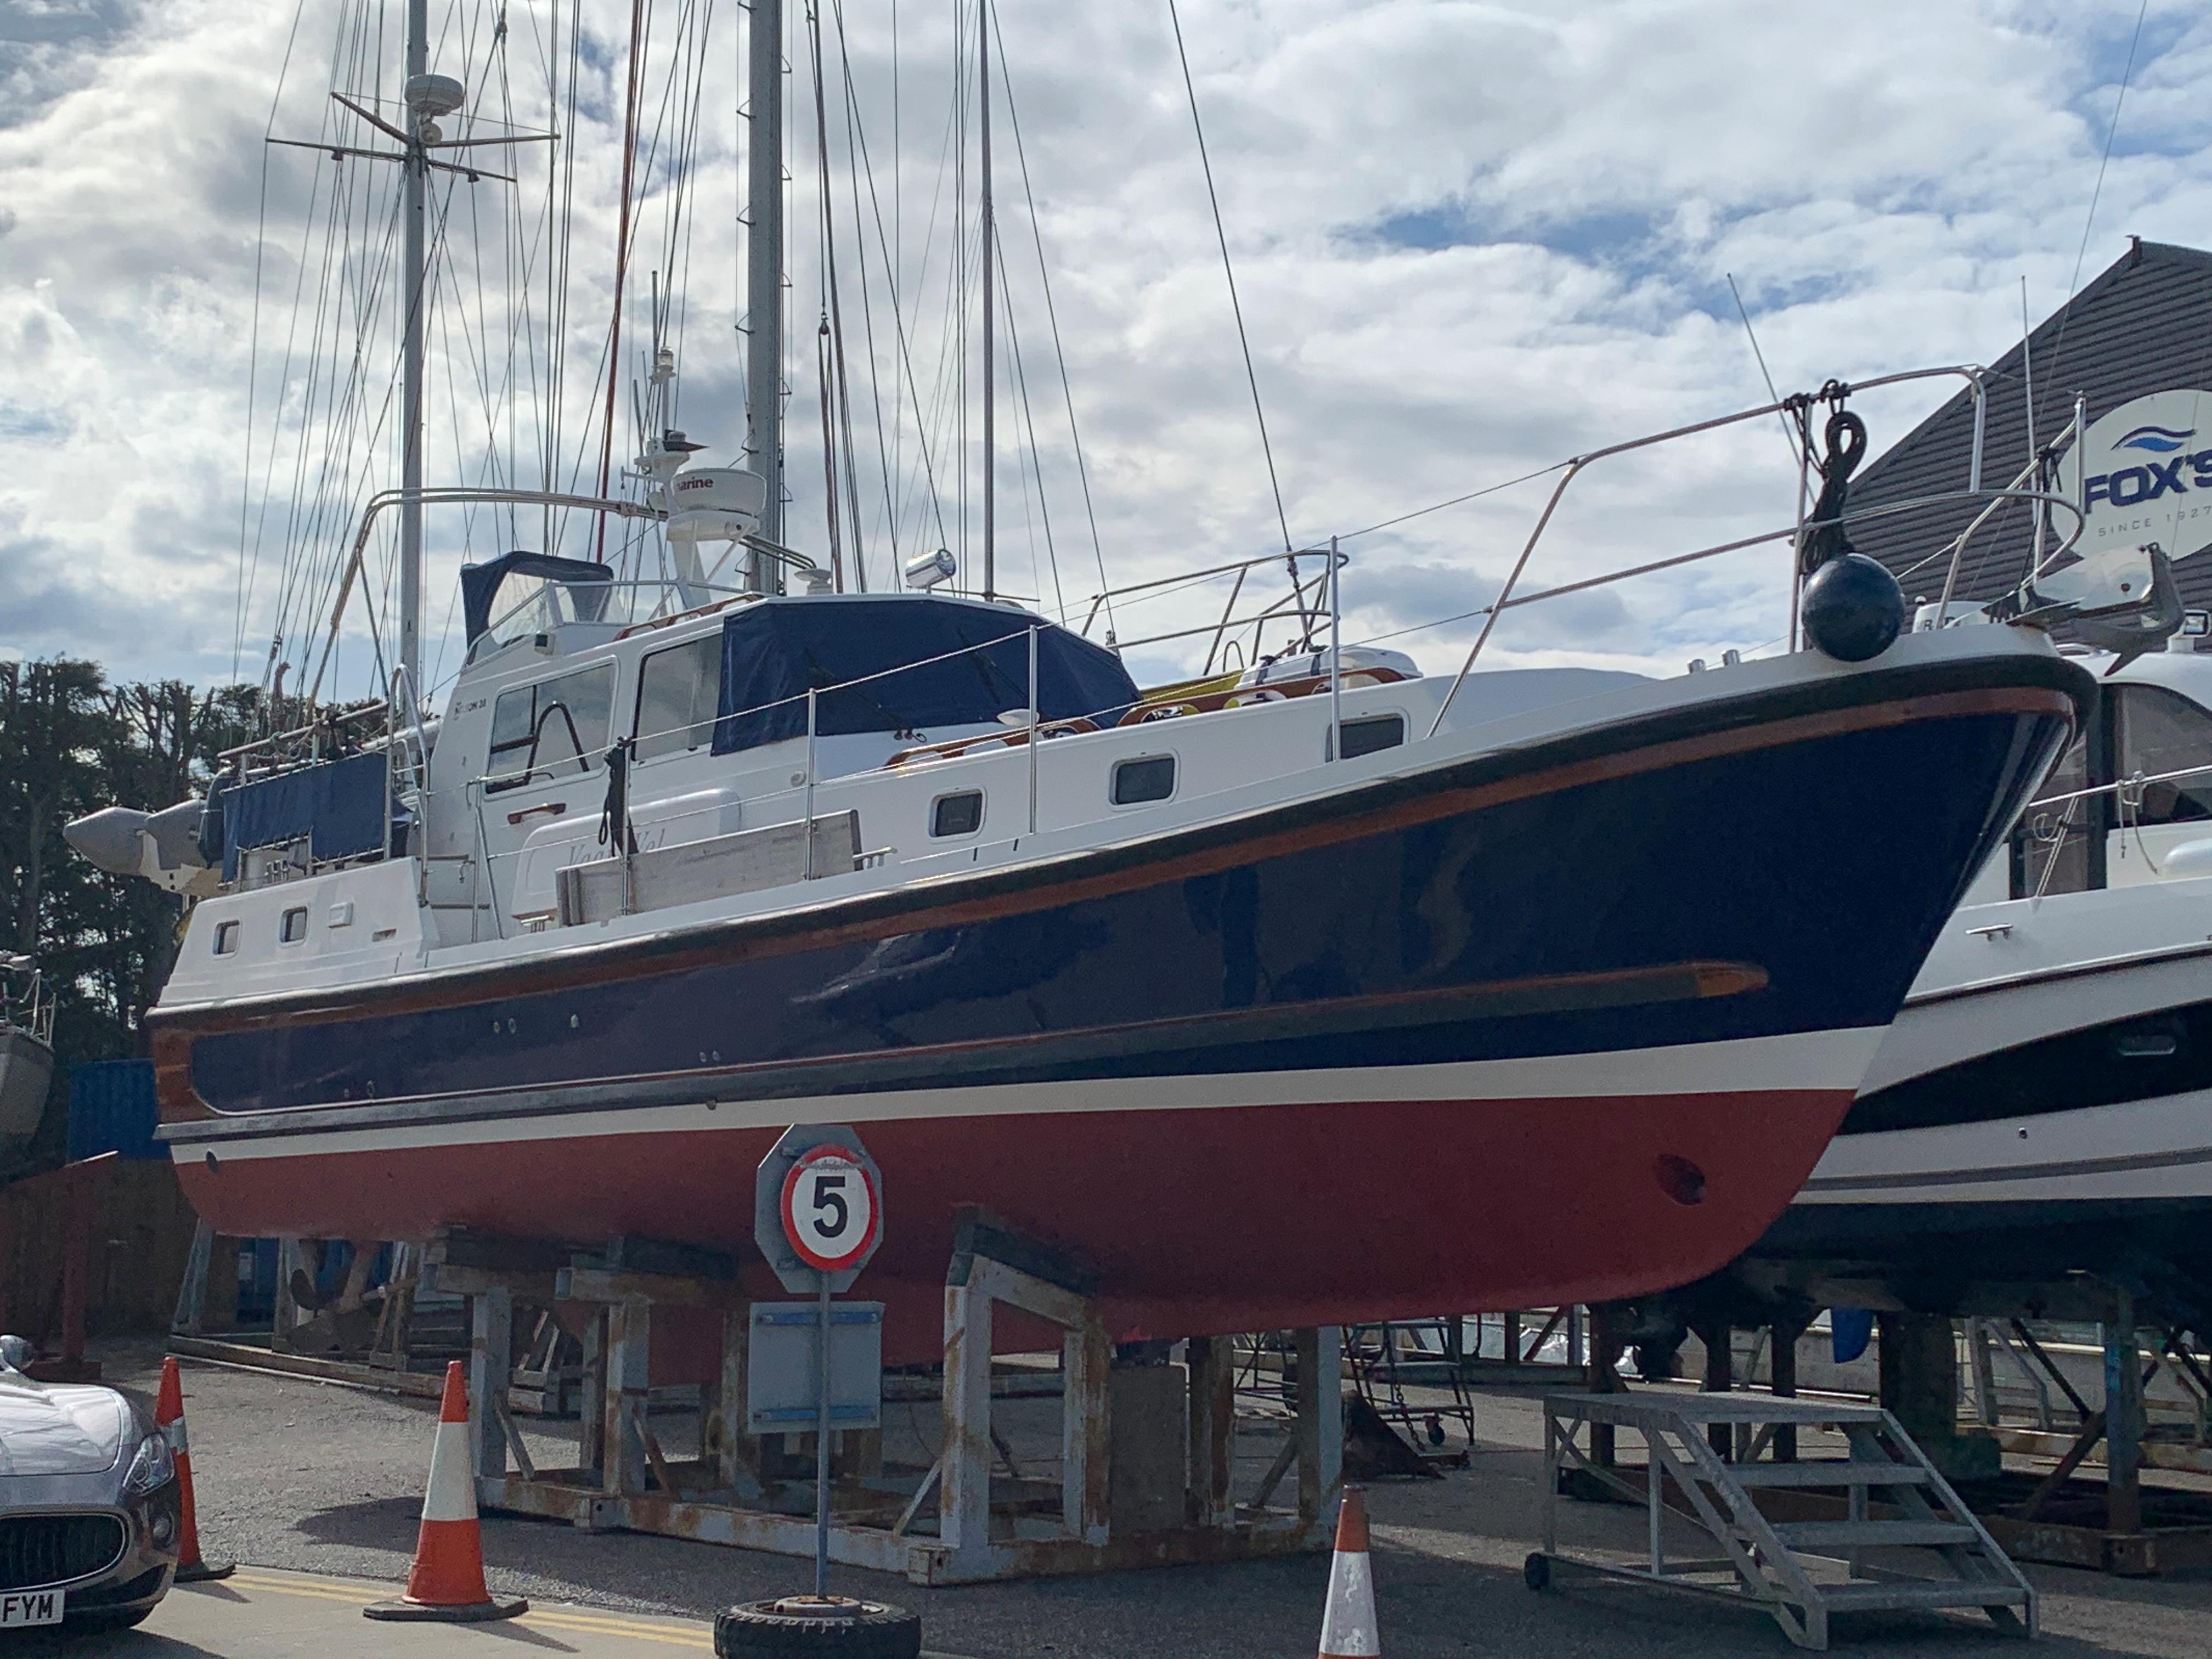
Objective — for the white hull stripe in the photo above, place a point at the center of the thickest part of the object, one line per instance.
(1824, 1061)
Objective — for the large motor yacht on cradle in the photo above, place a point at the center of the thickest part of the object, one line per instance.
(1318, 992)
(2044, 1103)
(1144, 974)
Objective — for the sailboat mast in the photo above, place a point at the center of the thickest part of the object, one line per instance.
(416, 172)
(764, 281)
(990, 241)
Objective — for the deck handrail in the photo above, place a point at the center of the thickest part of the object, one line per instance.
(1834, 392)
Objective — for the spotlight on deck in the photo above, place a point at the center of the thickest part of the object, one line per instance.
(926, 570)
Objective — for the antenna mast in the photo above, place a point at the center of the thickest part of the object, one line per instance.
(990, 239)
(412, 164)
(427, 97)
(764, 282)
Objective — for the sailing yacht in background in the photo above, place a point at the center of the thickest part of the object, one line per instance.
(680, 861)
(27, 1049)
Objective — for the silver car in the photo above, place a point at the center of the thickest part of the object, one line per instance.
(89, 1503)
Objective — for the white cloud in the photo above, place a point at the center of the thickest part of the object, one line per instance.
(1470, 239)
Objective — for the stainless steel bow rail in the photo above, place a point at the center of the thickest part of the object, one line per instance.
(1774, 1521)
(1835, 391)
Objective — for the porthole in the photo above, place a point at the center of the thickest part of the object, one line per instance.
(1372, 734)
(294, 927)
(956, 815)
(226, 938)
(1136, 781)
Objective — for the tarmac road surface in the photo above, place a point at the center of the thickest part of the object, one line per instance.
(326, 1483)
(262, 1614)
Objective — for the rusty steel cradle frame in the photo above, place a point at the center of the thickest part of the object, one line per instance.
(625, 1480)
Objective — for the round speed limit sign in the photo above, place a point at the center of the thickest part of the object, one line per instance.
(830, 1208)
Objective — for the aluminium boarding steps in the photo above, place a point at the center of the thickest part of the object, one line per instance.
(1764, 1558)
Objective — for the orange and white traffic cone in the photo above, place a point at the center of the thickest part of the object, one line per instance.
(1348, 1623)
(446, 1581)
(192, 1568)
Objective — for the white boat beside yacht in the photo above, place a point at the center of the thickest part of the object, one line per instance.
(2044, 1102)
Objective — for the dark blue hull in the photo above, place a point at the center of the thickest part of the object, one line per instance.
(1720, 874)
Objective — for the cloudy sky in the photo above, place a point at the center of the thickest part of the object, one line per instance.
(1470, 239)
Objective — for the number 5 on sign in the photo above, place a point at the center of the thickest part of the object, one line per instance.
(829, 1208)
(817, 1207)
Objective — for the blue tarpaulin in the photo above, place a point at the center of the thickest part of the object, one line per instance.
(1850, 1330)
(773, 655)
(111, 1109)
(339, 805)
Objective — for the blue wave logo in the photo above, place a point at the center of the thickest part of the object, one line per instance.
(2159, 440)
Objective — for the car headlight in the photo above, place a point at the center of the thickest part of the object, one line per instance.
(153, 1467)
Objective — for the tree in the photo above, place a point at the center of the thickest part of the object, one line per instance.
(71, 743)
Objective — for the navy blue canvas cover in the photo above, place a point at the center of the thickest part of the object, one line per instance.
(480, 585)
(773, 654)
(339, 805)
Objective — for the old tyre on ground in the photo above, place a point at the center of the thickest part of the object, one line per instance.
(834, 1625)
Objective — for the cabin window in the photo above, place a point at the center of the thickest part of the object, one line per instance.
(294, 927)
(677, 691)
(556, 728)
(2161, 732)
(1374, 732)
(226, 938)
(1136, 781)
(956, 815)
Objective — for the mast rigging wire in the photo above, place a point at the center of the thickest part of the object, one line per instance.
(1037, 461)
(1052, 316)
(884, 459)
(1229, 271)
(2089, 221)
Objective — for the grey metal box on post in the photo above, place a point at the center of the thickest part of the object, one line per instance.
(783, 1386)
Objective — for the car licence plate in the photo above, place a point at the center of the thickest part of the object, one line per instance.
(21, 1607)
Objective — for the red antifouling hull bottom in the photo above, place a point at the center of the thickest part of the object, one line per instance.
(1199, 1221)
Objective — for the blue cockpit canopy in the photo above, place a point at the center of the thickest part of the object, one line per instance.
(587, 578)
(926, 664)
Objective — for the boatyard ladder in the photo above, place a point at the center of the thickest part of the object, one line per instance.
(1820, 1511)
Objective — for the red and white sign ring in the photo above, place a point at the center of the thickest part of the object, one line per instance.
(830, 1208)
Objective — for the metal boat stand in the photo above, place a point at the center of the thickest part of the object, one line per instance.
(2119, 1525)
(1757, 1510)
(1146, 1449)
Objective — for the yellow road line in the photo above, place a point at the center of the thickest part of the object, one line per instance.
(582, 1620)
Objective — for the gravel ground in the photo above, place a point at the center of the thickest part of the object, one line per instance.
(320, 1478)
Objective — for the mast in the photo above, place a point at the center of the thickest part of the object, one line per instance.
(621, 262)
(415, 167)
(764, 279)
(990, 492)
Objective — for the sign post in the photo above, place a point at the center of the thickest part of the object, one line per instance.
(818, 1216)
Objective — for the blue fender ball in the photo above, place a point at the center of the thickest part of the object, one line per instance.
(1852, 608)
